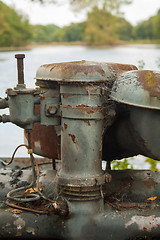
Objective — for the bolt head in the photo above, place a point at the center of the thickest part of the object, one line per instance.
(20, 56)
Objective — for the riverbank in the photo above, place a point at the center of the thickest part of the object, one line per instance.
(77, 43)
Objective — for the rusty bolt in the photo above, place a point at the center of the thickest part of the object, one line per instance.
(19, 58)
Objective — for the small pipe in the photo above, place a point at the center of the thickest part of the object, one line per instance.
(4, 118)
(19, 58)
(3, 103)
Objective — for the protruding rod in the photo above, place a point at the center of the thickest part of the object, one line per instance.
(3, 103)
(20, 68)
(4, 118)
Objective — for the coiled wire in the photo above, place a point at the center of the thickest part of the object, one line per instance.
(26, 197)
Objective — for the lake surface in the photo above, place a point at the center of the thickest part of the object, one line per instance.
(12, 136)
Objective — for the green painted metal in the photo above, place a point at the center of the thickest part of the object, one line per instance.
(81, 176)
(138, 88)
(124, 213)
(79, 200)
(21, 106)
(50, 101)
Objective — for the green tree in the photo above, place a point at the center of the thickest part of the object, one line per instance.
(100, 27)
(157, 25)
(144, 30)
(14, 29)
(153, 164)
(73, 32)
(124, 29)
(148, 29)
(112, 6)
(120, 165)
(45, 33)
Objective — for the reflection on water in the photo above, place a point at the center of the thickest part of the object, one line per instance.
(11, 136)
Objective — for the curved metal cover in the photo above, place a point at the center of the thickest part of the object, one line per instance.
(81, 71)
(138, 88)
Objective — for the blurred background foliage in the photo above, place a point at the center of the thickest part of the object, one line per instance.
(153, 165)
(15, 29)
(105, 25)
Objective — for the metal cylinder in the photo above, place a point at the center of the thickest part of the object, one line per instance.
(81, 135)
(81, 141)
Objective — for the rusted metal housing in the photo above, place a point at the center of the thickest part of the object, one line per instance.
(79, 200)
(83, 71)
(80, 71)
(138, 88)
(84, 88)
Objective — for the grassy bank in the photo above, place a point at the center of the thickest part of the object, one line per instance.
(77, 43)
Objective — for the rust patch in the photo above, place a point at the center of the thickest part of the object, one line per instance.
(42, 97)
(71, 69)
(88, 122)
(65, 126)
(89, 110)
(100, 155)
(119, 68)
(85, 71)
(150, 81)
(68, 106)
(149, 182)
(65, 96)
(73, 138)
(48, 140)
(37, 109)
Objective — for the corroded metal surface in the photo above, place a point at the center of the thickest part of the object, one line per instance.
(80, 200)
(45, 141)
(128, 213)
(82, 71)
(81, 175)
(138, 88)
(42, 134)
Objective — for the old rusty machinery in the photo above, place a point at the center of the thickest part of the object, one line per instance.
(80, 113)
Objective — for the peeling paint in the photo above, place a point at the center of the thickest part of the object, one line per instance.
(73, 137)
(20, 223)
(30, 230)
(144, 223)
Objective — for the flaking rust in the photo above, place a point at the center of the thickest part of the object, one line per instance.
(45, 134)
(73, 138)
(150, 80)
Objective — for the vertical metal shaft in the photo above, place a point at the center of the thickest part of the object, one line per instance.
(19, 58)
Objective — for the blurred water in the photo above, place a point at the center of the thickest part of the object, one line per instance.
(11, 136)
